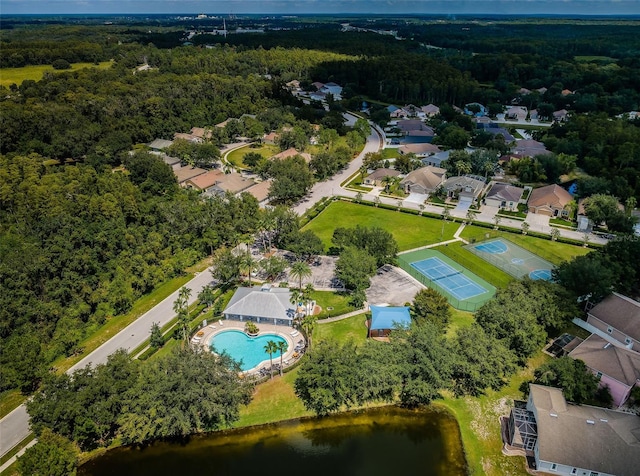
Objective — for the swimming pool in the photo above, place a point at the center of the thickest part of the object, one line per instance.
(249, 351)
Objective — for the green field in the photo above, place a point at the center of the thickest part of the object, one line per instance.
(9, 76)
(553, 251)
(410, 231)
(266, 151)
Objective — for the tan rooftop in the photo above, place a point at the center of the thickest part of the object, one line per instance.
(185, 173)
(620, 312)
(233, 182)
(615, 362)
(419, 149)
(260, 190)
(552, 195)
(206, 180)
(587, 437)
(292, 152)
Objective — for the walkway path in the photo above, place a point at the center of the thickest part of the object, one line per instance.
(341, 316)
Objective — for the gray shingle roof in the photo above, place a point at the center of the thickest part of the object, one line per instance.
(273, 303)
(610, 444)
(620, 312)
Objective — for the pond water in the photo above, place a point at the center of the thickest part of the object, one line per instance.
(381, 441)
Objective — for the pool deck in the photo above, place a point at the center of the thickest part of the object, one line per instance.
(285, 332)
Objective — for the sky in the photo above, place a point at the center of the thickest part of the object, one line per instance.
(510, 7)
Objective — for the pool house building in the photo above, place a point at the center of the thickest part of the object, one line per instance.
(266, 304)
(386, 318)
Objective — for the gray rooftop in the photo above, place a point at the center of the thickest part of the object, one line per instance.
(613, 361)
(273, 303)
(620, 312)
(505, 192)
(587, 437)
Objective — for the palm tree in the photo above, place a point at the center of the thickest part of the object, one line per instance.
(207, 295)
(525, 228)
(271, 347)
(181, 308)
(300, 270)
(282, 347)
(296, 297)
(308, 324)
(376, 201)
(446, 213)
(421, 207)
(555, 233)
(496, 221)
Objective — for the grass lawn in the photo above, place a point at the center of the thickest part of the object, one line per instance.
(410, 231)
(478, 418)
(338, 301)
(266, 151)
(390, 153)
(352, 328)
(553, 251)
(10, 399)
(459, 320)
(475, 264)
(273, 401)
(9, 76)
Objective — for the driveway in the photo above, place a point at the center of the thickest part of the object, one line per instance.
(538, 222)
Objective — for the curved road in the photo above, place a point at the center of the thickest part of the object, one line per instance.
(15, 426)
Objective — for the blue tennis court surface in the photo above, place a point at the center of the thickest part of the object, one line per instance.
(493, 247)
(544, 274)
(449, 278)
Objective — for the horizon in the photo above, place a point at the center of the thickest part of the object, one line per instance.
(587, 8)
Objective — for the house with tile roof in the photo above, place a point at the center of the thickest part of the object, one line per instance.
(617, 318)
(504, 195)
(617, 367)
(260, 191)
(550, 200)
(291, 152)
(185, 173)
(424, 180)
(266, 304)
(204, 181)
(375, 179)
(569, 439)
(419, 150)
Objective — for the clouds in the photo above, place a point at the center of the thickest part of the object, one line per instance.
(572, 7)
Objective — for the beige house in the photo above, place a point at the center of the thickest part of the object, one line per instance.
(618, 318)
(503, 195)
(375, 179)
(550, 200)
(233, 183)
(568, 439)
(260, 191)
(185, 173)
(420, 150)
(204, 181)
(424, 180)
(292, 152)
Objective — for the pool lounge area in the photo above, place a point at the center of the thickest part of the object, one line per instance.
(296, 343)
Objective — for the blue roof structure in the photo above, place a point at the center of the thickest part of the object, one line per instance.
(383, 317)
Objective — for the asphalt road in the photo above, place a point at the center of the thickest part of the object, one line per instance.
(15, 426)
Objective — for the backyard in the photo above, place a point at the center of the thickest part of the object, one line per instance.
(410, 231)
(236, 155)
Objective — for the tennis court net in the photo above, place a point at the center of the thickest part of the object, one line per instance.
(447, 275)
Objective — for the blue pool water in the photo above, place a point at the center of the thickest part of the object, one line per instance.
(249, 351)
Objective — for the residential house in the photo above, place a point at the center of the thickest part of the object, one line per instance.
(376, 178)
(201, 132)
(419, 150)
(291, 152)
(561, 116)
(173, 162)
(159, 145)
(399, 113)
(233, 183)
(524, 91)
(271, 138)
(529, 148)
(430, 110)
(260, 191)
(550, 200)
(533, 114)
(516, 113)
(617, 318)
(465, 188)
(188, 137)
(384, 319)
(569, 439)
(424, 180)
(436, 159)
(481, 110)
(616, 367)
(566, 92)
(542, 90)
(266, 304)
(415, 131)
(503, 195)
(185, 173)
(204, 181)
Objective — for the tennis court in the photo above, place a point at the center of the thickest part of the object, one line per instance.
(449, 278)
(512, 259)
(463, 289)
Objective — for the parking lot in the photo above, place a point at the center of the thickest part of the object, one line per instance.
(392, 286)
